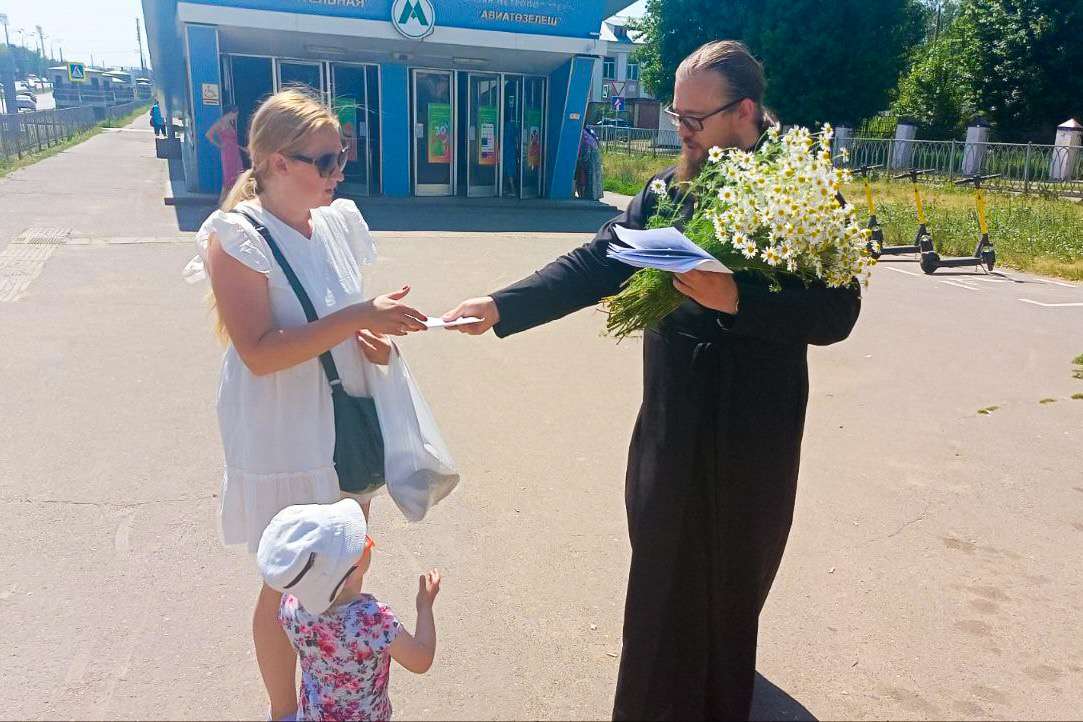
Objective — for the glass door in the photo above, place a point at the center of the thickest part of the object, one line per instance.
(251, 81)
(434, 132)
(293, 72)
(512, 137)
(533, 144)
(350, 93)
(483, 135)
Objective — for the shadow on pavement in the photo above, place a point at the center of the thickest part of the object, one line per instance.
(191, 210)
(772, 703)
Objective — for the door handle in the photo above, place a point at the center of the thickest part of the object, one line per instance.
(419, 130)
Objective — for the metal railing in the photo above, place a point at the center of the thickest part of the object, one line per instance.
(71, 96)
(1023, 167)
(24, 133)
(637, 140)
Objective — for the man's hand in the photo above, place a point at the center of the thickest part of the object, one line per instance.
(709, 289)
(483, 308)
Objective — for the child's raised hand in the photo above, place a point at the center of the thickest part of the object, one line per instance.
(428, 586)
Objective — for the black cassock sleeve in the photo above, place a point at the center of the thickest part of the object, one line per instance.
(797, 314)
(576, 280)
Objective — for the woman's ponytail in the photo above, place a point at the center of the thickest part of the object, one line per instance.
(244, 189)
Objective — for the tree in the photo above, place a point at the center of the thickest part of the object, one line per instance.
(938, 91)
(1024, 57)
(825, 60)
(1015, 61)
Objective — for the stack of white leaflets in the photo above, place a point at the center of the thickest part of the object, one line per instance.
(665, 249)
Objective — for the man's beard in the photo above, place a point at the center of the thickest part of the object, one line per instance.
(689, 167)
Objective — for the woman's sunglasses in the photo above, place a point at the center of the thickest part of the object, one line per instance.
(328, 163)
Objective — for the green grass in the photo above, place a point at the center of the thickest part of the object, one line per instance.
(1077, 397)
(1037, 233)
(1078, 372)
(14, 164)
(988, 410)
(1047, 401)
(628, 173)
(1033, 233)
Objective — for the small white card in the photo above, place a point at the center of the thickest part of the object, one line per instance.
(437, 322)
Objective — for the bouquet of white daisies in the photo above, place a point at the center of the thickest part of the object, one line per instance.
(774, 211)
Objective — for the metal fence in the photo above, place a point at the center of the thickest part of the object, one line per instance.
(637, 140)
(24, 133)
(1023, 167)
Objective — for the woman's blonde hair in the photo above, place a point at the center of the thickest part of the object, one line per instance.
(282, 124)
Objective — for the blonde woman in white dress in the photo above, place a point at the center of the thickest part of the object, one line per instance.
(274, 403)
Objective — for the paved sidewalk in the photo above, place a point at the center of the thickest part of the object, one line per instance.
(932, 571)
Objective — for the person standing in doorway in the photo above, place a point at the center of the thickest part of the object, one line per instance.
(712, 468)
(223, 136)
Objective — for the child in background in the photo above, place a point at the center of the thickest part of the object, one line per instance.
(317, 555)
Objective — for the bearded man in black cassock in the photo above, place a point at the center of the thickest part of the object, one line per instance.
(712, 467)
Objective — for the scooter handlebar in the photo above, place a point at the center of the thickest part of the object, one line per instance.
(975, 179)
(913, 173)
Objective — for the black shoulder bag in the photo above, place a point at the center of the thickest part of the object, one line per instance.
(359, 442)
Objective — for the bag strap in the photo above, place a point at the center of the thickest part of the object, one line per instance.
(295, 283)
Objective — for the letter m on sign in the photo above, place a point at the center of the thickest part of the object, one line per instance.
(413, 10)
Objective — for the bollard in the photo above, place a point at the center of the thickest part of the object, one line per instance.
(902, 150)
(1066, 150)
(844, 140)
(977, 139)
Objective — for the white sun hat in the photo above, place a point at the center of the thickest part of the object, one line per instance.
(308, 549)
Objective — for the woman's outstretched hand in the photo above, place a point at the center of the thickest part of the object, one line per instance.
(386, 316)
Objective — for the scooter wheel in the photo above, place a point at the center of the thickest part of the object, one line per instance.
(989, 258)
(930, 262)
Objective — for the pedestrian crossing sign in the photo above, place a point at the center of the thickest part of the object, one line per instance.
(77, 72)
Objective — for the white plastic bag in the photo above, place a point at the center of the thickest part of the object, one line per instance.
(417, 464)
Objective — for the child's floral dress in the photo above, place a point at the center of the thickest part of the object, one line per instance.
(345, 658)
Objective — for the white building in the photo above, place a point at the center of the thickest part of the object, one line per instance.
(617, 76)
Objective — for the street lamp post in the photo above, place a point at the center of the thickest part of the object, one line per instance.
(7, 73)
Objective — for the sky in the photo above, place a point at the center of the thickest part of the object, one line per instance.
(104, 28)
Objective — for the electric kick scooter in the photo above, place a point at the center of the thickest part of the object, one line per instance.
(985, 256)
(922, 234)
(876, 240)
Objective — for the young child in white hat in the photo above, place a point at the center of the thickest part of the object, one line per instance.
(317, 555)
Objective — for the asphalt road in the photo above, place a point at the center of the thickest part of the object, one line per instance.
(933, 569)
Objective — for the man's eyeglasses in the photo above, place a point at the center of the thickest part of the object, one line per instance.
(694, 123)
(328, 163)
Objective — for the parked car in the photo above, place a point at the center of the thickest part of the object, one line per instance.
(24, 101)
(613, 123)
(24, 88)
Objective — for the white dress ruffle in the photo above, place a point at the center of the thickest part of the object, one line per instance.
(278, 430)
